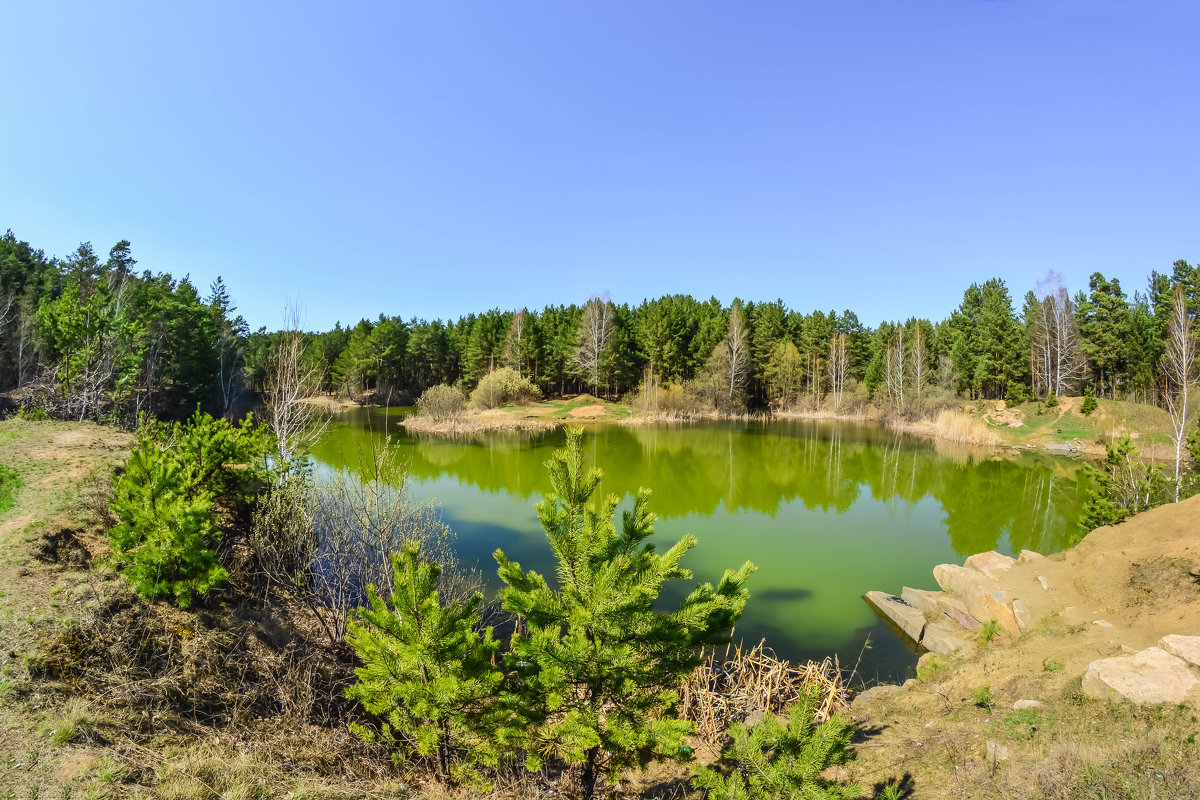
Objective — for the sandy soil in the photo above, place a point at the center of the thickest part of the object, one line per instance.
(1133, 579)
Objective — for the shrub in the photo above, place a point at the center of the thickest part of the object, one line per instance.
(936, 669)
(783, 759)
(427, 669)
(1051, 400)
(502, 386)
(1089, 402)
(1125, 485)
(984, 697)
(1016, 394)
(989, 631)
(441, 402)
(166, 502)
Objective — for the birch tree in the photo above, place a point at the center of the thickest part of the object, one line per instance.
(515, 341)
(1053, 337)
(737, 341)
(296, 424)
(838, 368)
(595, 335)
(1179, 368)
(894, 368)
(917, 357)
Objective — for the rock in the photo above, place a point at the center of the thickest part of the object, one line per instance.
(876, 692)
(1103, 623)
(983, 598)
(991, 563)
(901, 614)
(1022, 704)
(996, 752)
(1042, 580)
(924, 601)
(953, 608)
(1151, 676)
(1026, 556)
(999, 611)
(942, 638)
(1185, 647)
(1059, 449)
(1021, 614)
(908, 684)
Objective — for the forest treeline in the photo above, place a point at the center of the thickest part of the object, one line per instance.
(86, 336)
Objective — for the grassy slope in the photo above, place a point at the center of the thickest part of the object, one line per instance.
(79, 717)
(1147, 424)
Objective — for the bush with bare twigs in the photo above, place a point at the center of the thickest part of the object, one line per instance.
(441, 403)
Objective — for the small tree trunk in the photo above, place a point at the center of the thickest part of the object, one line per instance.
(587, 782)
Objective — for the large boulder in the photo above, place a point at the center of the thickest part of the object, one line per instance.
(943, 638)
(953, 608)
(991, 563)
(983, 597)
(1150, 676)
(1185, 647)
(908, 619)
(922, 600)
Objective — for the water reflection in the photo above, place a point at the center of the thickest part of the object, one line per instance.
(827, 511)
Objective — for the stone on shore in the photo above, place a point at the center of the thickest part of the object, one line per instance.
(943, 638)
(1022, 615)
(1151, 676)
(908, 619)
(983, 597)
(991, 564)
(1185, 647)
(922, 600)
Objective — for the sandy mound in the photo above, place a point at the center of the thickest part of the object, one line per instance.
(587, 412)
(1008, 417)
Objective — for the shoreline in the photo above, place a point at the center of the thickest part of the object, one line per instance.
(966, 428)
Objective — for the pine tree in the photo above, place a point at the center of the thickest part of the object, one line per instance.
(778, 759)
(598, 666)
(427, 670)
(1124, 487)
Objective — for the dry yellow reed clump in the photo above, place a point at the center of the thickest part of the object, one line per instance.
(731, 686)
(956, 426)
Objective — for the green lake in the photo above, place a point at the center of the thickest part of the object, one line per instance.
(828, 511)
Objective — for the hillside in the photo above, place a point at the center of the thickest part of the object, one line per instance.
(956, 731)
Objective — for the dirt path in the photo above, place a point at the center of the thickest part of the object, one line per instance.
(53, 460)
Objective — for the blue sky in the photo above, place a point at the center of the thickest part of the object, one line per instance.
(436, 158)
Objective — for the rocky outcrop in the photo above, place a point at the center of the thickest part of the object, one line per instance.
(971, 594)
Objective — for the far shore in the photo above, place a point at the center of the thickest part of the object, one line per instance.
(1060, 430)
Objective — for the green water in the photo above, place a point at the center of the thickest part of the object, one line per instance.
(828, 511)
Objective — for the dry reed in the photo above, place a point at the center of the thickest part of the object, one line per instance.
(471, 424)
(740, 683)
(951, 426)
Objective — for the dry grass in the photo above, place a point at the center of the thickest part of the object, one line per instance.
(950, 426)
(734, 685)
(471, 424)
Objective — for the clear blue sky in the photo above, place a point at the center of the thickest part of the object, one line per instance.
(441, 157)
